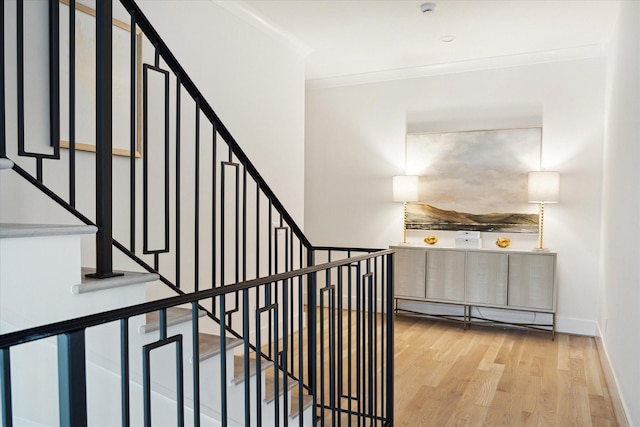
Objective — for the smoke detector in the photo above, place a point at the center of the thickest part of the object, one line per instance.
(427, 8)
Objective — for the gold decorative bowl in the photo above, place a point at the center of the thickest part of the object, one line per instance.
(431, 240)
(503, 242)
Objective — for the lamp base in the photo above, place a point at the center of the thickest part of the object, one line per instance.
(541, 249)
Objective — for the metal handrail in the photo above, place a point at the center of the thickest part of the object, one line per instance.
(44, 331)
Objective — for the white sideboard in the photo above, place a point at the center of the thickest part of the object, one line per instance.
(502, 279)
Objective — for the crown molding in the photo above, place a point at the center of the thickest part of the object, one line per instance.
(496, 62)
(249, 15)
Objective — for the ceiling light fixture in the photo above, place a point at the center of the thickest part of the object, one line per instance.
(428, 8)
(447, 39)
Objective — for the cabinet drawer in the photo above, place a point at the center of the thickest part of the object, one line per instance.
(531, 281)
(487, 278)
(445, 275)
(409, 273)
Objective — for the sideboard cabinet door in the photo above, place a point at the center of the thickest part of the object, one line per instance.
(532, 281)
(409, 273)
(445, 275)
(486, 278)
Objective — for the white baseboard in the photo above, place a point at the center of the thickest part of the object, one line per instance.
(619, 408)
(569, 325)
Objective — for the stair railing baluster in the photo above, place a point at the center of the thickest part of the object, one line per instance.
(340, 338)
(178, 177)
(389, 316)
(3, 108)
(133, 146)
(301, 385)
(244, 224)
(214, 204)
(196, 231)
(195, 362)
(124, 372)
(285, 352)
(312, 342)
(54, 76)
(224, 409)
(20, 76)
(6, 406)
(245, 359)
(72, 103)
(72, 379)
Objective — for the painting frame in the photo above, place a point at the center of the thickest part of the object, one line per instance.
(85, 66)
(474, 180)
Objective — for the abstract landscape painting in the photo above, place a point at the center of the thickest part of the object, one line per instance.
(426, 217)
(474, 180)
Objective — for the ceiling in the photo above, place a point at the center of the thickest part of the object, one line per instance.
(344, 38)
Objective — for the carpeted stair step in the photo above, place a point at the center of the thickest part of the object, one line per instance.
(210, 345)
(175, 316)
(267, 367)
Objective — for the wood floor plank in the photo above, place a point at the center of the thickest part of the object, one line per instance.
(490, 385)
(548, 393)
(563, 351)
(498, 413)
(446, 376)
(495, 343)
(468, 416)
(593, 370)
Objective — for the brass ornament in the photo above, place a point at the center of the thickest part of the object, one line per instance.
(503, 242)
(431, 240)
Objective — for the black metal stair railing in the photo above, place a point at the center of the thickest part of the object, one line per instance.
(349, 382)
(229, 191)
(196, 210)
(250, 232)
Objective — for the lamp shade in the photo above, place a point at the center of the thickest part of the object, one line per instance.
(405, 188)
(544, 187)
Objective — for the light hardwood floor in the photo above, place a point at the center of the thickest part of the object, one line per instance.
(488, 376)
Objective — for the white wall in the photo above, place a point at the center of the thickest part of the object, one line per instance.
(254, 83)
(355, 143)
(620, 284)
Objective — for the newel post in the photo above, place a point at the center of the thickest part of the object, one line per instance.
(104, 195)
